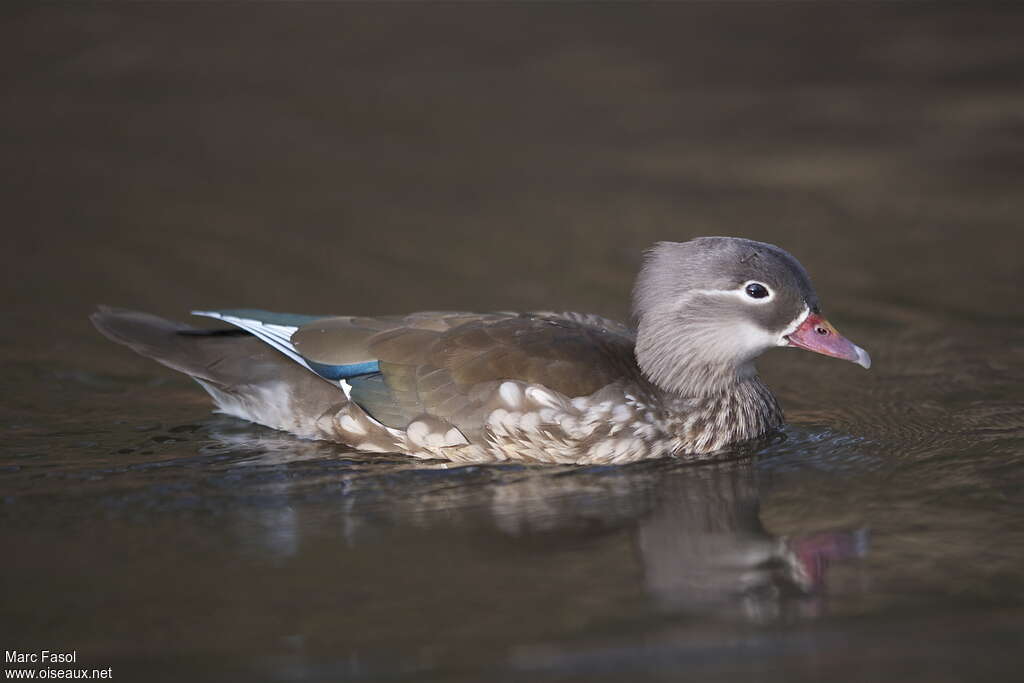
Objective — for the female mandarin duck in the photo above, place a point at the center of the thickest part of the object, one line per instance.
(538, 387)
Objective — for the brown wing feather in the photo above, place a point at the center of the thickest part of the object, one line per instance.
(447, 364)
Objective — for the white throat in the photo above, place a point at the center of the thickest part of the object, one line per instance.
(793, 327)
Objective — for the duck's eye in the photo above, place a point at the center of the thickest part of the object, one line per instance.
(755, 290)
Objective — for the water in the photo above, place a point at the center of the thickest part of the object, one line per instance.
(376, 160)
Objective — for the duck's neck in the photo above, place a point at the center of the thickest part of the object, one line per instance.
(708, 386)
(705, 362)
(727, 406)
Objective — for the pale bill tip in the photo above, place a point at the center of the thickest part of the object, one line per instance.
(863, 359)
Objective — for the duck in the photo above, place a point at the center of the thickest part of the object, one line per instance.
(532, 387)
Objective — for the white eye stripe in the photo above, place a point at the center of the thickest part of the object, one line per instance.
(739, 293)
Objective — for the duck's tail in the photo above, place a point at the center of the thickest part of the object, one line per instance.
(245, 376)
(203, 354)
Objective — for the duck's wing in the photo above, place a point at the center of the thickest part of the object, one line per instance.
(448, 364)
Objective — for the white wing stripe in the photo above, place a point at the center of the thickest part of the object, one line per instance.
(280, 333)
(278, 336)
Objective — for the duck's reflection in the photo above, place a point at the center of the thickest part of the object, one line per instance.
(703, 547)
(695, 531)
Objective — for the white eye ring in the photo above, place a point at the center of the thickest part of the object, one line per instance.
(752, 292)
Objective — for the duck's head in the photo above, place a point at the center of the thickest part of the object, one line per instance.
(707, 308)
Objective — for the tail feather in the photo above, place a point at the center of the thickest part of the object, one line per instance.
(245, 376)
(181, 347)
(226, 358)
